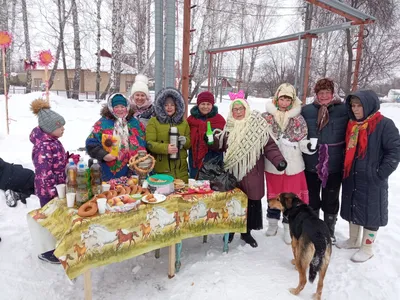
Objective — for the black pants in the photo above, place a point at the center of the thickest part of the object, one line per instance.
(330, 194)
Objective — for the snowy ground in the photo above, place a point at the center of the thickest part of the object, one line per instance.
(206, 273)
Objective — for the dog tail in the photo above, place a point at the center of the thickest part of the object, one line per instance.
(316, 262)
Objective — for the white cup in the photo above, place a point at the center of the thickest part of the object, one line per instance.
(105, 187)
(71, 199)
(101, 205)
(61, 190)
(313, 142)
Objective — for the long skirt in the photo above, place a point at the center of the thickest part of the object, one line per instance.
(295, 184)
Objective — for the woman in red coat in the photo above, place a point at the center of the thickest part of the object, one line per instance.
(246, 141)
(205, 111)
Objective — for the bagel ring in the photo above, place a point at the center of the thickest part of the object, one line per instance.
(114, 193)
(121, 190)
(102, 195)
(88, 209)
(108, 194)
(133, 188)
(127, 190)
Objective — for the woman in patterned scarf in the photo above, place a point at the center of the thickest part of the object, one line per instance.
(246, 141)
(116, 137)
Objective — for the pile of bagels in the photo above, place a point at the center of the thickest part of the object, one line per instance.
(117, 196)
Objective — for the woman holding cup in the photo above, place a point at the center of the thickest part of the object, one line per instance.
(289, 129)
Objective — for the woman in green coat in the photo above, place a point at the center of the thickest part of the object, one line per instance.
(169, 107)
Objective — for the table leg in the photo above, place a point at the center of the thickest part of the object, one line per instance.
(226, 246)
(171, 258)
(178, 257)
(157, 253)
(87, 283)
(204, 239)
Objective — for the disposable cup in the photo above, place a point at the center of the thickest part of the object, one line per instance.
(313, 142)
(71, 199)
(105, 187)
(101, 205)
(61, 190)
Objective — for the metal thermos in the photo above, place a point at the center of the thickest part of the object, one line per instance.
(173, 139)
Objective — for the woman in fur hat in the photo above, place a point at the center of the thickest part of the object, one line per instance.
(289, 129)
(49, 157)
(205, 111)
(116, 129)
(169, 107)
(246, 140)
(140, 99)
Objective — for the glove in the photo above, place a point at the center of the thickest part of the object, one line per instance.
(310, 149)
(282, 166)
(182, 141)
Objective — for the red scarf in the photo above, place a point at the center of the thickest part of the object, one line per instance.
(357, 134)
(198, 129)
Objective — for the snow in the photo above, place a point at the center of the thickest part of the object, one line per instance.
(206, 273)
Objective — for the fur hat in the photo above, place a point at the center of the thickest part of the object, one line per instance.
(140, 85)
(205, 97)
(49, 120)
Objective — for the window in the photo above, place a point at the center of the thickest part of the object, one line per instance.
(128, 85)
(37, 82)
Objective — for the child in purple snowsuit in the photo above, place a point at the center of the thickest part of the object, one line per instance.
(48, 154)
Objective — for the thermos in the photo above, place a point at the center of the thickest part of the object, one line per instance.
(173, 139)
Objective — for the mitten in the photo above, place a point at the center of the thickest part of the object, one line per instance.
(282, 166)
(310, 149)
(182, 141)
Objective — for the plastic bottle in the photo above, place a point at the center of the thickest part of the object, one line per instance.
(95, 177)
(210, 137)
(71, 171)
(81, 178)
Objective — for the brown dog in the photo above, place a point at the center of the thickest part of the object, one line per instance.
(311, 242)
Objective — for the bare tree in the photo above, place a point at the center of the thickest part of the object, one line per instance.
(77, 48)
(98, 63)
(27, 45)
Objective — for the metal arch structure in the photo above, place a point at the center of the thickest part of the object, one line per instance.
(355, 17)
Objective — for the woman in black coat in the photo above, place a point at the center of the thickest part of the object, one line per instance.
(16, 181)
(372, 154)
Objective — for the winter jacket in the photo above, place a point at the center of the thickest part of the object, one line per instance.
(157, 135)
(16, 178)
(50, 160)
(105, 125)
(291, 139)
(144, 115)
(365, 190)
(253, 183)
(199, 153)
(333, 134)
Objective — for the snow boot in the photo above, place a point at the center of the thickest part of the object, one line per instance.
(330, 220)
(230, 238)
(286, 234)
(272, 227)
(366, 251)
(49, 257)
(354, 241)
(249, 239)
(12, 198)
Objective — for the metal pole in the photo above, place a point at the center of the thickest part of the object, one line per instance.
(169, 62)
(307, 69)
(185, 53)
(297, 63)
(358, 57)
(159, 46)
(307, 26)
(210, 61)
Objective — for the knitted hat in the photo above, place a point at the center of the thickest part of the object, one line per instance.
(324, 84)
(284, 89)
(205, 97)
(49, 120)
(118, 99)
(140, 85)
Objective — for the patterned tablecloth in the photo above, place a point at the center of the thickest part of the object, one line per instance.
(86, 243)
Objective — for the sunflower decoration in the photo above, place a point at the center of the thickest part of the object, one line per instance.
(45, 58)
(5, 39)
(111, 143)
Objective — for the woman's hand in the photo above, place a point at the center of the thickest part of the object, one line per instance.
(172, 149)
(109, 157)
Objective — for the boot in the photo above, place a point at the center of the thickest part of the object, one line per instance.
(12, 198)
(366, 251)
(286, 234)
(230, 238)
(354, 241)
(49, 257)
(249, 239)
(330, 220)
(272, 227)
